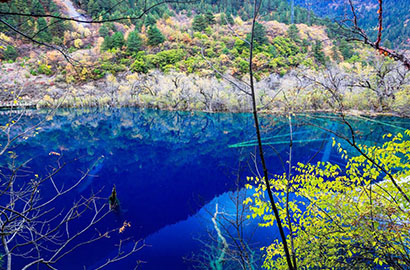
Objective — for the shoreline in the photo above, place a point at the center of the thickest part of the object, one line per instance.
(262, 112)
(175, 91)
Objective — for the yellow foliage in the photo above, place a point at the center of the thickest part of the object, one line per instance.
(169, 21)
(78, 43)
(84, 74)
(86, 32)
(48, 99)
(67, 38)
(111, 78)
(224, 58)
(4, 37)
(132, 77)
(238, 21)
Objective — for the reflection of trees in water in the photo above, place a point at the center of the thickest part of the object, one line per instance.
(130, 138)
(92, 131)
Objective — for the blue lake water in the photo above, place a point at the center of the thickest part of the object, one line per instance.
(170, 169)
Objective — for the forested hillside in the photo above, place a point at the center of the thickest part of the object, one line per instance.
(396, 17)
(206, 41)
(256, 94)
(52, 30)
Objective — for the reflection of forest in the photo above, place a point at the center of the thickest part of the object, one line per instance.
(167, 165)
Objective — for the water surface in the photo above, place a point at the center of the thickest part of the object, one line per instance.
(171, 168)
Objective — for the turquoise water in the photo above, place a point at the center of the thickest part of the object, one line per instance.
(170, 169)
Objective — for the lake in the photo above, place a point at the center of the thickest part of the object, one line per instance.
(170, 169)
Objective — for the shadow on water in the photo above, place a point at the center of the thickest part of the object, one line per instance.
(168, 166)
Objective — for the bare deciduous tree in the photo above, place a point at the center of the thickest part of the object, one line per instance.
(33, 230)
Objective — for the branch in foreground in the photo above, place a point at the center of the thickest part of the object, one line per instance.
(376, 44)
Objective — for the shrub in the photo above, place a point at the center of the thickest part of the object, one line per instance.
(10, 53)
(44, 69)
(343, 215)
(168, 57)
(139, 66)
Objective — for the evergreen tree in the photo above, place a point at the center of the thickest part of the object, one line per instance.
(105, 5)
(199, 24)
(10, 53)
(27, 24)
(335, 54)
(103, 31)
(259, 34)
(93, 8)
(111, 26)
(292, 11)
(155, 36)
(387, 43)
(346, 49)
(43, 33)
(36, 7)
(108, 43)
(209, 18)
(318, 52)
(53, 8)
(222, 19)
(305, 45)
(150, 20)
(57, 27)
(134, 42)
(230, 19)
(293, 33)
(118, 40)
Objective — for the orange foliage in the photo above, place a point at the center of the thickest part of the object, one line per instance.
(186, 38)
(54, 56)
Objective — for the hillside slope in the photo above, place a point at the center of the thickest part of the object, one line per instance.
(396, 32)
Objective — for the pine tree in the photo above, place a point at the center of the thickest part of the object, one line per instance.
(150, 20)
(93, 8)
(36, 7)
(118, 40)
(335, 54)
(230, 19)
(199, 23)
(57, 27)
(222, 19)
(53, 8)
(26, 24)
(209, 18)
(134, 42)
(43, 33)
(318, 52)
(259, 34)
(105, 5)
(345, 49)
(108, 43)
(387, 43)
(103, 31)
(10, 53)
(155, 36)
(293, 33)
